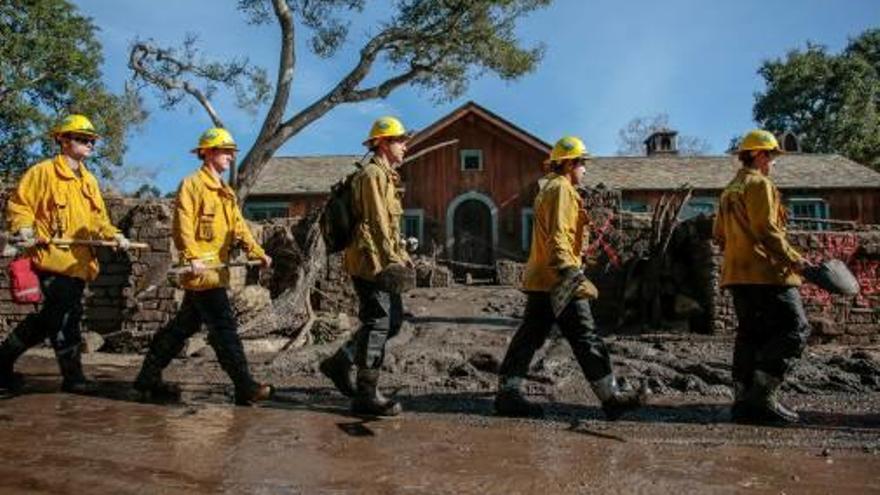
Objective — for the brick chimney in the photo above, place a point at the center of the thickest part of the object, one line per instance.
(662, 142)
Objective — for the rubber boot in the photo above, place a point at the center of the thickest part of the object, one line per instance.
(509, 401)
(74, 381)
(260, 392)
(10, 350)
(338, 368)
(739, 409)
(761, 403)
(149, 384)
(615, 402)
(368, 400)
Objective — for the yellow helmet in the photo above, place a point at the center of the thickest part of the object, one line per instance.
(216, 137)
(385, 127)
(569, 147)
(757, 140)
(75, 124)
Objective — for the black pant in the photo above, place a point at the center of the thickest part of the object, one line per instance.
(577, 326)
(212, 308)
(59, 319)
(772, 332)
(381, 316)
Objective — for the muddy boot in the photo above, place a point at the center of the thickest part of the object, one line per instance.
(149, 384)
(74, 381)
(509, 401)
(260, 392)
(368, 400)
(761, 403)
(739, 411)
(615, 402)
(338, 368)
(11, 349)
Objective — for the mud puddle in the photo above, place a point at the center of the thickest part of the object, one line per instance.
(59, 443)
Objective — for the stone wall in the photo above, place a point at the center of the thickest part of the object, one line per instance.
(691, 279)
(835, 318)
(131, 298)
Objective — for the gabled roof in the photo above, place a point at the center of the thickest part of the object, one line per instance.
(473, 108)
(793, 171)
(302, 174)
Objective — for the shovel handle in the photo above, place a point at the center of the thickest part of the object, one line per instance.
(214, 266)
(97, 243)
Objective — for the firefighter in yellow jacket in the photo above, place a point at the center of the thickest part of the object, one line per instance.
(207, 221)
(761, 271)
(558, 292)
(374, 259)
(59, 198)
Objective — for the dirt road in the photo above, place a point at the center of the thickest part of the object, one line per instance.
(441, 368)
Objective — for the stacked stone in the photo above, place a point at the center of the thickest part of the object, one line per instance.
(135, 284)
(834, 318)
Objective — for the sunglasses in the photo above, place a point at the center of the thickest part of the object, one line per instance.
(84, 140)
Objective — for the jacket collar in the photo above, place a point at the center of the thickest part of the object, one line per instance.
(65, 172)
(386, 167)
(213, 182)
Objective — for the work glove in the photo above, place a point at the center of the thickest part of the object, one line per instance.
(396, 278)
(25, 237)
(122, 242)
(412, 244)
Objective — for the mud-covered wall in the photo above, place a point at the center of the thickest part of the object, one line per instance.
(131, 298)
(841, 319)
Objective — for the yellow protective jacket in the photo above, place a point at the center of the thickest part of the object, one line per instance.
(558, 236)
(377, 208)
(207, 222)
(750, 228)
(58, 202)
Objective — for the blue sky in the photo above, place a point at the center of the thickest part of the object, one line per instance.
(606, 62)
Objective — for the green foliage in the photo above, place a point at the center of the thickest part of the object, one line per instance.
(832, 102)
(167, 69)
(49, 67)
(147, 191)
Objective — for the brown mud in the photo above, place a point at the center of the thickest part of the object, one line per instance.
(442, 368)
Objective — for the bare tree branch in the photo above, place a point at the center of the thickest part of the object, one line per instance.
(136, 62)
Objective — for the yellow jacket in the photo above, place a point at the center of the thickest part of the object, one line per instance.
(750, 228)
(377, 208)
(207, 221)
(58, 202)
(558, 236)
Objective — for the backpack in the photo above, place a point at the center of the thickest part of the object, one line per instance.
(338, 218)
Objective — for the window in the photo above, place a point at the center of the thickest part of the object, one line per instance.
(528, 224)
(698, 206)
(806, 208)
(635, 206)
(264, 211)
(471, 159)
(412, 224)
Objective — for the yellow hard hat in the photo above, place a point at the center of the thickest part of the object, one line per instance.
(216, 137)
(759, 139)
(75, 124)
(569, 147)
(385, 127)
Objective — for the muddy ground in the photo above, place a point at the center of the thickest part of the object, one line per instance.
(442, 367)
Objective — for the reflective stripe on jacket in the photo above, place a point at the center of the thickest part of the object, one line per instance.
(58, 202)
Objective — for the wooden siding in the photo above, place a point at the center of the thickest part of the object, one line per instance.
(858, 205)
(509, 177)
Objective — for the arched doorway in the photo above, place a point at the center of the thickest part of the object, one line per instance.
(472, 233)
